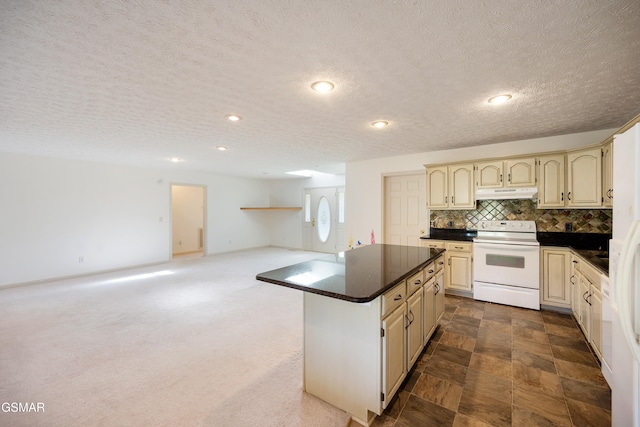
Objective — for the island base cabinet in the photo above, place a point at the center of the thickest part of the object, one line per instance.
(342, 353)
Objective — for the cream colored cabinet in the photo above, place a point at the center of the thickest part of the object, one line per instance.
(607, 174)
(584, 178)
(433, 298)
(584, 312)
(595, 325)
(439, 296)
(428, 243)
(394, 352)
(586, 303)
(458, 266)
(520, 172)
(429, 325)
(551, 188)
(438, 187)
(489, 175)
(517, 172)
(450, 187)
(414, 323)
(574, 282)
(556, 272)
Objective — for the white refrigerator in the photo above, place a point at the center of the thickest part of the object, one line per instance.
(621, 317)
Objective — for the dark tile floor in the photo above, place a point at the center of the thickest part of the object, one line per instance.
(494, 365)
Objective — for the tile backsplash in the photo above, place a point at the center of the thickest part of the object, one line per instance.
(581, 220)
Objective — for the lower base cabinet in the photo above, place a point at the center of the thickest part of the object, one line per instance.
(356, 356)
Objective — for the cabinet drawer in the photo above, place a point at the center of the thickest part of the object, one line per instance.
(415, 282)
(439, 263)
(459, 246)
(430, 270)
(590, 273)
(436, 244)
(394, 298)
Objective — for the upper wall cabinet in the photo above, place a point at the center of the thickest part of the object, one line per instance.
(507, 173)
(584, 178)
(607, 174)
(551, 192)
(450, 187)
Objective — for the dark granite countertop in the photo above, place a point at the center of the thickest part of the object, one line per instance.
(359, 275)
(462, 235)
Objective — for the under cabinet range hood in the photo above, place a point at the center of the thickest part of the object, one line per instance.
(506, 193)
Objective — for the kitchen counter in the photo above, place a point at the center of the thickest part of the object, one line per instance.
(359, 275)
(593, 247)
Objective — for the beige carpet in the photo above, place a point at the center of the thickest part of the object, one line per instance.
(193, 342)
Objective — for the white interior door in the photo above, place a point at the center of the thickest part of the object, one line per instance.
(404, 209)
(323, 224)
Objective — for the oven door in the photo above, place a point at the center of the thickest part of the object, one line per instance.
(504, 264)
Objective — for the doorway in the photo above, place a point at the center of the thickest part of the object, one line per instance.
(323, 220)
(405, 211)
(188, 234)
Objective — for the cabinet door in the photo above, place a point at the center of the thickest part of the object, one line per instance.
(595, 327)
(394, 352)
(458, 271)
(429, 312)
(556, 269)
(584, 178)
(437, 187)
(489, 175)
(574, 282)
(584, 321)
(607, 175)
(461, 190)
(521, 172)
(551, 192)
(439, 297)
(415, 306)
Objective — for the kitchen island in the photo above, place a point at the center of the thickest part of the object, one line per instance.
(368, 313)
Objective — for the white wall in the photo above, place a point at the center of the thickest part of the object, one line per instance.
(52, 212)
(364, 192)
(285, 227)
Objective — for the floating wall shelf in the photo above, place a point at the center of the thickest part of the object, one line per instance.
(272, 209)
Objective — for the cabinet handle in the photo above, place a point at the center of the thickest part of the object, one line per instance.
(584, 297)
(611, 193)
(446, 198)
(430, 271)
(571, 280)
(589, 296)
(449, 263)
(500, 177)
(458, 247)
(437, 289)
(569, 195)
(452, 199)
(509, 177)
(442, 262)
(562, 196)
(417, 282)
(398, 298)
(574, 261)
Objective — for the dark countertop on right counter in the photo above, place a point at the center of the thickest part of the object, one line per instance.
(594, 247)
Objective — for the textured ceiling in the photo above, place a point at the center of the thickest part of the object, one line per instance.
(137, 82)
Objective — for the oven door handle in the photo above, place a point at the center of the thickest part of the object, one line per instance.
(511, 248)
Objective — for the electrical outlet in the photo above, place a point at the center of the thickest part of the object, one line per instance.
(450, 223)
(568, 226)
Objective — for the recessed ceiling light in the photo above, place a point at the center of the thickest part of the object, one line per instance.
(379, 124)
(499, 99)
(234, 117)
(175, 159)
(322, 86)
(221, 148)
